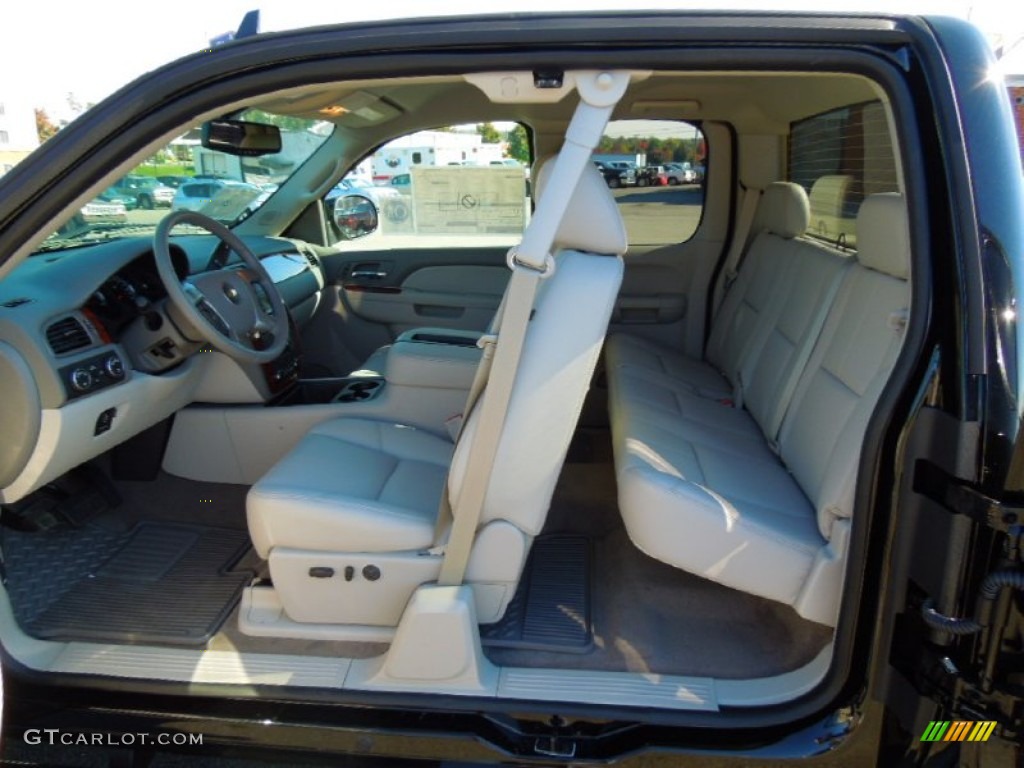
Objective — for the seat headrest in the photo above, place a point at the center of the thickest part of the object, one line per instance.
(883, 234)
(784, 209)
(828, 194)
(592, 222)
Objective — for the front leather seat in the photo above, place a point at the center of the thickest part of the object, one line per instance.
(348, 519)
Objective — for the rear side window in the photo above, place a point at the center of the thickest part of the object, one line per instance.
(655, 169)
(839, 158)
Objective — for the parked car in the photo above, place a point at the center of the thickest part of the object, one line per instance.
(173, 181)
(615, 175)
(739, 479)
(106, 207)
(677, 173)
(651, 176)
(402, 182)
(203, 194)
(144, 192)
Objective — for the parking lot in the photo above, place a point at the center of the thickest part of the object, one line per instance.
(653, 215)
(660, 215)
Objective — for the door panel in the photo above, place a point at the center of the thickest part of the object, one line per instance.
(373, 296)
(664, 292)
(676, 234)
(462, 297)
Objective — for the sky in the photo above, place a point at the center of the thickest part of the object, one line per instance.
(90, 50)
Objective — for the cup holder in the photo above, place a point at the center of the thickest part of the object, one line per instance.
(359, 390)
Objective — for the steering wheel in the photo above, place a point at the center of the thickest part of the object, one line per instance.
(237, 310)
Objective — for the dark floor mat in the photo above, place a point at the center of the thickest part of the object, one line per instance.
(157, 583)
(551, 609)
(590, 446)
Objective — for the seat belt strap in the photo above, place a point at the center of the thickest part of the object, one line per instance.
(530, 263)
(493, 400)
(483, 371)
(734, 259)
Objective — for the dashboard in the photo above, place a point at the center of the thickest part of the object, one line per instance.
(130, 292)
(79, 369)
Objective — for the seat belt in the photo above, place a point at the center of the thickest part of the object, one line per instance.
(531, 262)
(734, 259)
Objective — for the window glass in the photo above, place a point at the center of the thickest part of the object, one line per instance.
(454, 186)
(656, 171)
(839, 157)
(185, 175)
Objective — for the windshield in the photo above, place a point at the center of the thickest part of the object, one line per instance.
(184, 175)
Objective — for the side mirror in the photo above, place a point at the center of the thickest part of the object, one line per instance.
(355, 216)
(238, 137)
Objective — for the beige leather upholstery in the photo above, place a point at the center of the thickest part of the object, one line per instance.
(882, 243)
(355, 487)
(352, 484)
(783, 210)
(759, 498)
(747, 312)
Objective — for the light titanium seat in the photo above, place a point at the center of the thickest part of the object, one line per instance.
(782, 215)
(762, 511)
(348, 519)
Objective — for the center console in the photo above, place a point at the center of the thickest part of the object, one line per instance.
(426, 380)
(434, 358)
(331, 390)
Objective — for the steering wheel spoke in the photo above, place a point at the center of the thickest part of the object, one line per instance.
(237, 310)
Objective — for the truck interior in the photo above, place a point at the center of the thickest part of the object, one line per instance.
(668, 518)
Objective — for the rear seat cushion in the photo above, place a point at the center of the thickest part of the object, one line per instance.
(699, 484)
(728, 513)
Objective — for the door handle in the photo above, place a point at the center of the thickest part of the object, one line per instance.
(369, 270)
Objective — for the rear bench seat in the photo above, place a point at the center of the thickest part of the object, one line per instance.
(741, 469)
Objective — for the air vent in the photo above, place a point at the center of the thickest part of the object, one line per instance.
(67, 335)
(16, 302)
(314, 262)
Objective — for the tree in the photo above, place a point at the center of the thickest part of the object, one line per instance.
(519, 144)
(44, 126)
(489, 133)
(284, 122)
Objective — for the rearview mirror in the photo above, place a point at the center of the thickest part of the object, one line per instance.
(238, 137)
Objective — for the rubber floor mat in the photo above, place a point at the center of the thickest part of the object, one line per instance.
(157, 583)
(551, 610)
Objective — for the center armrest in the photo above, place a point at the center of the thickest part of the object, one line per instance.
(442, 336)
(421, 363)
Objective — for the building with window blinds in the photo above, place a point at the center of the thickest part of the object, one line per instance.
(18, 135)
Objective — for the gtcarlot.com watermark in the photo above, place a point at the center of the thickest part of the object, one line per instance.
(56, 737)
